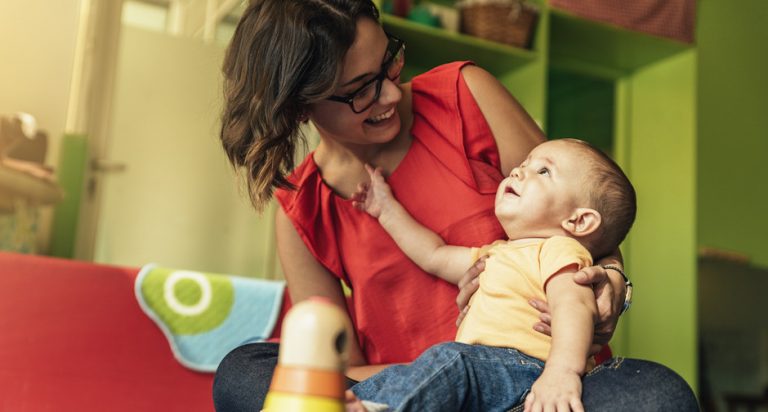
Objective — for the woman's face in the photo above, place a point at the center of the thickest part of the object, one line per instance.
(379, 123)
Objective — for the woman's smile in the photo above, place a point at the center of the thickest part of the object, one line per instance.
(381, 117)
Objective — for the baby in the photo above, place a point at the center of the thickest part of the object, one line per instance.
(566, 203)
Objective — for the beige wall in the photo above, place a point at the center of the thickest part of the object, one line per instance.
(177, 202)
(37, 49)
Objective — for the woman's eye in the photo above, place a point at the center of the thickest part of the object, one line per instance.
(543, 171)
(366, 92)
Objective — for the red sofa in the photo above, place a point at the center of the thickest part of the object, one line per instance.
(73, 338)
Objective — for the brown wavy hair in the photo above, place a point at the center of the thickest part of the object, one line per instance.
(284, 55)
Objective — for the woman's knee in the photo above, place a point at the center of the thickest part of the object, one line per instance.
(669, 390)
(243, 377)
(631, 384)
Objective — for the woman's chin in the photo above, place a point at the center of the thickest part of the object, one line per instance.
(385, 130)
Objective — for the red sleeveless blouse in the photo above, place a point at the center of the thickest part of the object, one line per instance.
(447, 181)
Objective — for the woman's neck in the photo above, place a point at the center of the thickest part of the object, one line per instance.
(341, 164)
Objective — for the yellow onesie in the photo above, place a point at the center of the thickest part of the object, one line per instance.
(515, 272)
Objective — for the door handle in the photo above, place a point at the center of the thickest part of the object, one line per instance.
(106, 166)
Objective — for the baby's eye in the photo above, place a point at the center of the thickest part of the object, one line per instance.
(543, 171)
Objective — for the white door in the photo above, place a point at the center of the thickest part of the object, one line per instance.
(176, 202)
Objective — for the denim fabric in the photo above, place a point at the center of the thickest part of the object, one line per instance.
(458, 377)
(455, 377)
(243, 377)
(620, 384)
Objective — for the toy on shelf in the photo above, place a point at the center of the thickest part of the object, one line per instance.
(312, 360)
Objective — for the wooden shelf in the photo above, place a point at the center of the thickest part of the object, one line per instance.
(428, 47)
(15, 185)
(578, 44)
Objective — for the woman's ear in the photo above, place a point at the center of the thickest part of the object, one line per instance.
(582, 222)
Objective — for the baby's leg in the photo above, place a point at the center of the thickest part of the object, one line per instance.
(454, 377)
(353, 404)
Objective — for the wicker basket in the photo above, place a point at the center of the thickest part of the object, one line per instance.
(504, 21)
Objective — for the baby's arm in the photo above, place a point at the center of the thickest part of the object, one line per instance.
(573, 311)
(422, 245)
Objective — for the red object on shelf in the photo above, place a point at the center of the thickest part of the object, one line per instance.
(401, 7)
(674, 19)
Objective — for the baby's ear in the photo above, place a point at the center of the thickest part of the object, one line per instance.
(582, 222)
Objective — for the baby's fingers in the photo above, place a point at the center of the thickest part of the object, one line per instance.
(528, 402)
(375, 174)
(577, 406)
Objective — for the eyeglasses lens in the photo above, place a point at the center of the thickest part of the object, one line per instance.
(367, 96)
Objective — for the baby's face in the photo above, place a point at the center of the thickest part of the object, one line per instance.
(544, 190)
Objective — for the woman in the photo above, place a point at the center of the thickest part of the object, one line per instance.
(454, 130)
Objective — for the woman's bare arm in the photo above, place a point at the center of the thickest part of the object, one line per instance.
(306, 277)
(514, 130)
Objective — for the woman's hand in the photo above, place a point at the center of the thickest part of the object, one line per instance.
(609, 289)
(468, 285)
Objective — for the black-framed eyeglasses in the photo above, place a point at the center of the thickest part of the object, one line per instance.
(367, 94)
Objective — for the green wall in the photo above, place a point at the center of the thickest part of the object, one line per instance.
(733, 124)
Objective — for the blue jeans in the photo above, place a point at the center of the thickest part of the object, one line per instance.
(455, 377)
(619, 384)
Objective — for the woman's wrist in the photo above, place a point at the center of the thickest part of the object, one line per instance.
(627, 285)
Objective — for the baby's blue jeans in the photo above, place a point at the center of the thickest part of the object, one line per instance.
(455, 377)
(459, 377)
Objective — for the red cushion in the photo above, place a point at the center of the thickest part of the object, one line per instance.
(72, 337)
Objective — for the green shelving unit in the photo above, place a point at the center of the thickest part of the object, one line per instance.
(604, 50)
(429, 46)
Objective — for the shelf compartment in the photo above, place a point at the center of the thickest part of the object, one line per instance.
(604, 49)
(428, 47)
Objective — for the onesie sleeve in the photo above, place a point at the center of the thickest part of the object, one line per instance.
(559, 252)
(478, 252)
(449, 122)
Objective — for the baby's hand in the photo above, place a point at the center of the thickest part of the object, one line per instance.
(372, 197)
(555, 391)
(352, 404)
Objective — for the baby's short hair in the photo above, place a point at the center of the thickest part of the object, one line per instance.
(612, 195)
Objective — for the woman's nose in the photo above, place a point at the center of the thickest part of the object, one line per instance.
(390, 91)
